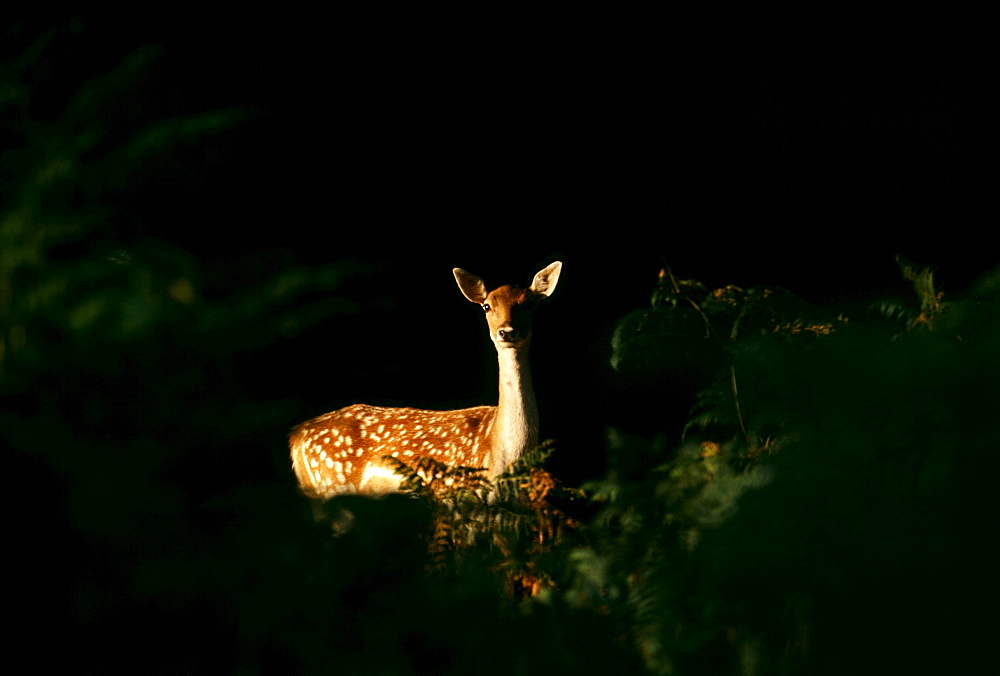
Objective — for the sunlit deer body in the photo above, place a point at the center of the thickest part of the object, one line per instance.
(344, 451)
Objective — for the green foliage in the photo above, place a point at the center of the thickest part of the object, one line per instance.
(73, 281)
(824, 501)
(57, 176)
(826, 494)
(508, 525)
(119, 393)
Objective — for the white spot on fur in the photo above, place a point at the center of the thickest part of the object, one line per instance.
(373, 471)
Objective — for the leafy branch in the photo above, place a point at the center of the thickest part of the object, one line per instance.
(511, 522)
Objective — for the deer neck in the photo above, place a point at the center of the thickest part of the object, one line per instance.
(515, 427)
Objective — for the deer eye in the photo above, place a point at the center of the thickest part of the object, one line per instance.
(486, 307)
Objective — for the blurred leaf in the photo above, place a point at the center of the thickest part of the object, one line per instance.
(163, 135)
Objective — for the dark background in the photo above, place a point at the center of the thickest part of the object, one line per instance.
(796, 153)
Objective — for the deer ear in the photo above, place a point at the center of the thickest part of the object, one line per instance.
(545, 280)
(472, 286)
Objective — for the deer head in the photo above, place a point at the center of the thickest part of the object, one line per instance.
(509, 308)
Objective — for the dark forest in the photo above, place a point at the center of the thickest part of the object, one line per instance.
(767, 381)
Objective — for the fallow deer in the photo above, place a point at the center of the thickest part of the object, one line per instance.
(344, 451)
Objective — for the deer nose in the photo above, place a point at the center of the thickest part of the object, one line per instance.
(506, 334)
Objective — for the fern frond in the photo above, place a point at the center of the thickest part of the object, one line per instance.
(428, 477)
(413, 480)
(533, 458)
(922, 278)
(893, 310)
